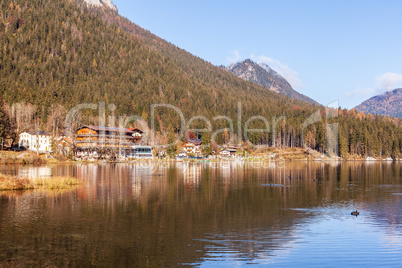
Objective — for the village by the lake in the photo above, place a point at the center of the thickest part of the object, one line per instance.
(112, 144)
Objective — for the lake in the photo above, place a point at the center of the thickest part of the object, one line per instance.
(206, 215)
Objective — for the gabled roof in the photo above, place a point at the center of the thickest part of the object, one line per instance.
(136, 130)
(189, 144)
(66, 140)
(32, 132)
(110, 129)
(196, 142)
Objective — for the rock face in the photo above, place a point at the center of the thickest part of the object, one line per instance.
(263, 75)
(100, 3)
(387, 104)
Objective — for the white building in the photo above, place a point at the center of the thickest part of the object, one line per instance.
(193, 147)
(229, 152)
(140, 151)
(36, 141)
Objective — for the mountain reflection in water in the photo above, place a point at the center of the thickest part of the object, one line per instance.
(207, 214)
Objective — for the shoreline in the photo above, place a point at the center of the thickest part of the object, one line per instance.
(296, 154)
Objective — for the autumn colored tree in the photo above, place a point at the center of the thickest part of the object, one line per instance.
(310, 140)
(190, 135)
(225, 136)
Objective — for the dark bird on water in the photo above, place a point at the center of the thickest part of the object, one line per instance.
(355, 213)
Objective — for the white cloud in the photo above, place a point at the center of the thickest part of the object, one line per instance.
(283, 69)
(362, 92)
(385, 82)
(235, 58)
(389, 81)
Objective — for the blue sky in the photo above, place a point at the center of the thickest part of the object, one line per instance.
(346, 51)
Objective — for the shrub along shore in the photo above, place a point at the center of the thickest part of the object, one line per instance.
(21, 183)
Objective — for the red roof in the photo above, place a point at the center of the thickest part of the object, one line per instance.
(196, 141)
(110, 129)
(136, 130)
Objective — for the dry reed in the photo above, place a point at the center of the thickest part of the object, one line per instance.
(19, 183)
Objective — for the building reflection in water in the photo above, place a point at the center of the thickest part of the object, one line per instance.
(36, 172)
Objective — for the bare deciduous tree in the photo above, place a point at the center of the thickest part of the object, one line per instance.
(23, 115)
(56, 119)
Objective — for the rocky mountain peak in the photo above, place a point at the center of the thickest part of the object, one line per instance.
(262, 74)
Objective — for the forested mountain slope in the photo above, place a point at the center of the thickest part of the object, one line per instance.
(387, 104)
(56, 51)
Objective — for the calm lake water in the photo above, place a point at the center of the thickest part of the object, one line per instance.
(207, 215)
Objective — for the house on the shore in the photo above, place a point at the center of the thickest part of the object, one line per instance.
(193, 146)
(229, 152)
(137, 134)
(97, 141)
(64, 145)
(36, 141)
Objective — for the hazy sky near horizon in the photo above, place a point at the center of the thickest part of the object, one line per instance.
(346, 51)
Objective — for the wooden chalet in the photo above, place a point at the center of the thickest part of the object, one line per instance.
(137, 134)
(94, 140)
(64, 145)
(230, 152)
(193, 146)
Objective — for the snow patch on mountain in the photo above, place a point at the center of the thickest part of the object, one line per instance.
(100, 3)
(96, 3)
(110, 4)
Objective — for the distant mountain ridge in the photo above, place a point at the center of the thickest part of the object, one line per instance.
(265, 76)
(387, 104)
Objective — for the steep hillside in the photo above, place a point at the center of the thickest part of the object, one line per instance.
(263, 75)
(387, 104)
(59, 52)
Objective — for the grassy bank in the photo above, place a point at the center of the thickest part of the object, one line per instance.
(30, 158)
(20, 183)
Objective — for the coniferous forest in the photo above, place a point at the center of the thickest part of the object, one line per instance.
(55, 54)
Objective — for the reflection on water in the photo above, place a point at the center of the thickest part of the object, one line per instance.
(207, 214)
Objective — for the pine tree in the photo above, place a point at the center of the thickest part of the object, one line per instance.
(206, 144)
(171, 143)
(395, 149)
(7, 126)
(3, 122)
